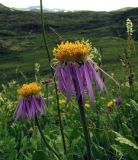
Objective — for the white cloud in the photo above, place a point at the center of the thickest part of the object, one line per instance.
(74, 4)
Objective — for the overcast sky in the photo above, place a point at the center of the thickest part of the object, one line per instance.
(96, 5)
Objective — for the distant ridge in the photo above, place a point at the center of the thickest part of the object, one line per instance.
(37, 9)
(4, 8)
(124, 9)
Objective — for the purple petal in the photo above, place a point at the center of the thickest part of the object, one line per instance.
(89, 84)
(96, 76)
(19, 109)
(80, 82)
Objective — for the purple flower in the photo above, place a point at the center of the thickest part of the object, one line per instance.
(118, 101)
(83, 76)
(31, 103)
(75, 71)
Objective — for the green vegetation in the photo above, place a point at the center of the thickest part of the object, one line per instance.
(113, 128)
(21, 43)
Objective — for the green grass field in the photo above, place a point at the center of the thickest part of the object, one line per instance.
(22, 43)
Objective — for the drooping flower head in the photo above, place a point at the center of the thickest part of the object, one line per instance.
(75, 70)
(31, 102)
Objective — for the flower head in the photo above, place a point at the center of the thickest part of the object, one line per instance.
(87, 107)
(118, 101)
(72, 51)
(75, 70)
(129, 26)
(31, 103)
(110, 104)
(30, 89)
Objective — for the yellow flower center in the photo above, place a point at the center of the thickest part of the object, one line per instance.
(30, 89)
(72, 51)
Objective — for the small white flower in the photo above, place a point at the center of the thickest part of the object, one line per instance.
(37, 67)
(129, 26)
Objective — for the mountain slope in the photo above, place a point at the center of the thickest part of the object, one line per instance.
(21, 43)
(4, 8)
(94, 24)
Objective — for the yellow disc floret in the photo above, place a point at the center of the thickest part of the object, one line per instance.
(30, 89)
(72, 51)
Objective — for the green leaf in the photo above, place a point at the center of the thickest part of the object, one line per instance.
(40, 155)
(118, 149)
(126, 146)
(124, 140)
(134, 104)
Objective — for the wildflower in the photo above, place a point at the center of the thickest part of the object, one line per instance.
(31, 103)
(110, 104)
(129, 26)
(37, 67)
(12, 84)
(75, 70)
(9, 104)
(62, 101)
(87, 107)
(118, 101)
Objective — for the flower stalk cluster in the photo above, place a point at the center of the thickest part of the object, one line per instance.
(127, 60)
(129, 26)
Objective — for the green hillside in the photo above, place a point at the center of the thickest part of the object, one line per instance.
(21, 43)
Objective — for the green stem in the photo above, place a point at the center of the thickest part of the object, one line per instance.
(85, 128)
(55, 84)
(44, 32)
(44, 139)
(19, 141)
(47, 101)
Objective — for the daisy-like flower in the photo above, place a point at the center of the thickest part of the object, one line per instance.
(31, 102)
(75, 70)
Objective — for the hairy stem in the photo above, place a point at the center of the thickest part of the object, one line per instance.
(85, 128)
(55, 84)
